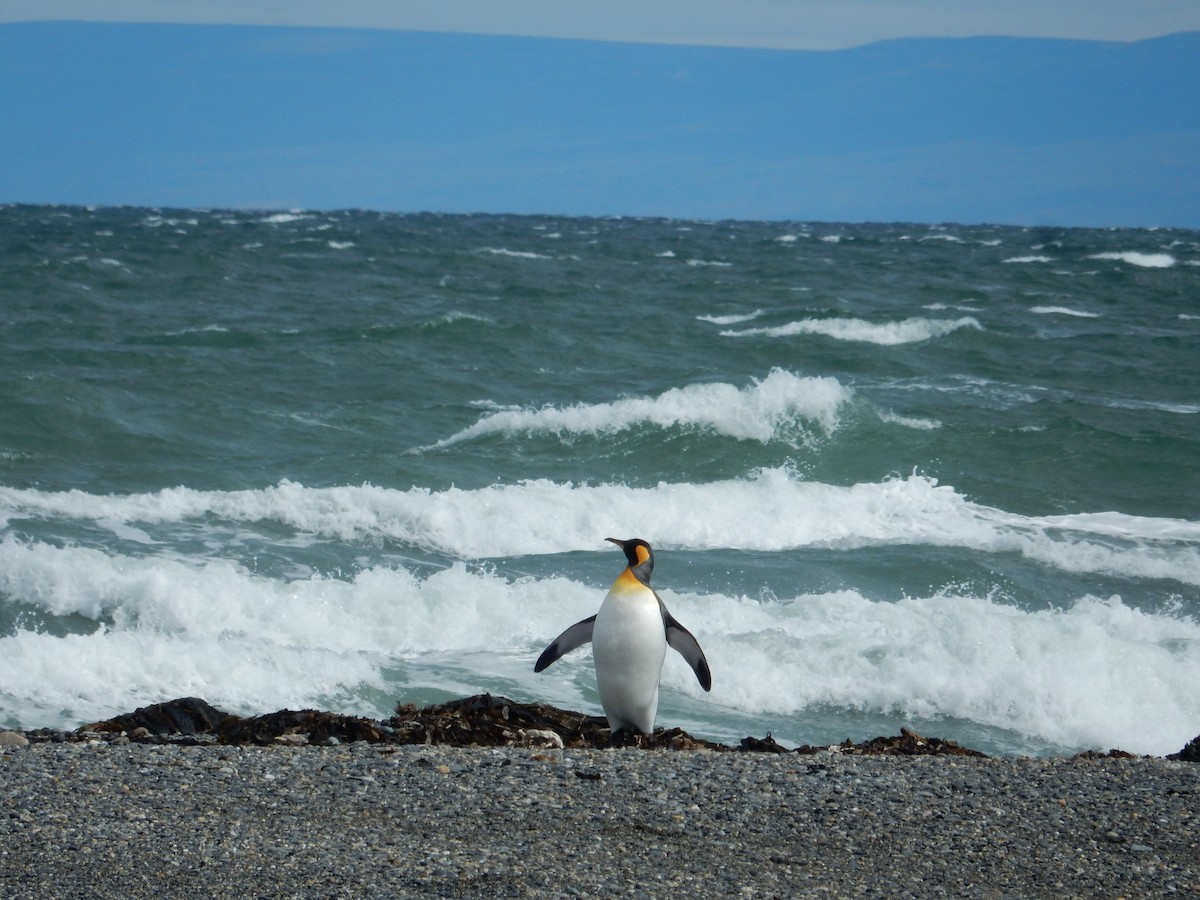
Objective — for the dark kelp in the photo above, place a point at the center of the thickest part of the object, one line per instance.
(481, 720)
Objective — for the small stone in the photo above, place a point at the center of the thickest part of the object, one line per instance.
(13, 739)
(292, 740)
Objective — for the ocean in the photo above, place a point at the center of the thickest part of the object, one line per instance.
(942, 477)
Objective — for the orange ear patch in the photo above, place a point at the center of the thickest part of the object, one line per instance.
(642, 554)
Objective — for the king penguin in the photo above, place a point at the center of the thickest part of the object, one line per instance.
(630, 635)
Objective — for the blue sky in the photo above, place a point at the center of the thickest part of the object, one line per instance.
(785, 24)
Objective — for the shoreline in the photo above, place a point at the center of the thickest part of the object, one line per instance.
(482, 720)
(363, 819)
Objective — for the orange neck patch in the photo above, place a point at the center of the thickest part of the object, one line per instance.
(627, 581)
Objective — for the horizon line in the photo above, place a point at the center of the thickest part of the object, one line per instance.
(704, 44)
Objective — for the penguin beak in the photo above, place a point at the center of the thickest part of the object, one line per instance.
(620, 544)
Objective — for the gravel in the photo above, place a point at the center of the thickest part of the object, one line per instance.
(363, 820)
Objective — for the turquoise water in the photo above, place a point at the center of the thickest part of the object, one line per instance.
(894, 475)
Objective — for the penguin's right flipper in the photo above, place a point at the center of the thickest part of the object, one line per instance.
(685, 642)
(575, 636)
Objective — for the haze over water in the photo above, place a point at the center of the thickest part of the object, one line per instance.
(894, 475)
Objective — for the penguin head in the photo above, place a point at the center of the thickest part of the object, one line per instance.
(638, 555)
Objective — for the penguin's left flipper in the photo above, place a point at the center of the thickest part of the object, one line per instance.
(575, 636)
(682, 640)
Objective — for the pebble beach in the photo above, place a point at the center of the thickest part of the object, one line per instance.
(362, 820)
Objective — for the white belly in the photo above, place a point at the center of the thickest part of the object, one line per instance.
(628, 647)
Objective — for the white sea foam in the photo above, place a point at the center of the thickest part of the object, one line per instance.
(517, 254)
(285, 218)
(907, 331)
(340, 245)
(1098, 674)
(732, 319)
(1094, 674)
(915, 422)
(776, 408)
(773, 510)
(1063, 311)
(207, 329)
(1029, 259)
(942, 307)
(715, 263)
(453, 317)
(159, 222)
(1183, 409)
(1134, 258)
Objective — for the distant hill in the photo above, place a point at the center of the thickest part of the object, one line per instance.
(1014, 130)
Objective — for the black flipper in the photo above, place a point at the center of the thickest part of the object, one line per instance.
(682, 640)
(575, 636)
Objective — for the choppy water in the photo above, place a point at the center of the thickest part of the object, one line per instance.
(943, 477)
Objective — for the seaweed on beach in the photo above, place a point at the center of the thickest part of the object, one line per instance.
(186, 717)
(907, 743)
(482, 720)
(1190, 752)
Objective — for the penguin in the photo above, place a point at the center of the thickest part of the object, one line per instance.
(630, 635)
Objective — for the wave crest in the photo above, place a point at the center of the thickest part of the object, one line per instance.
(1134, 258)
(776, 408)
(771, 511)
(908, 331)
